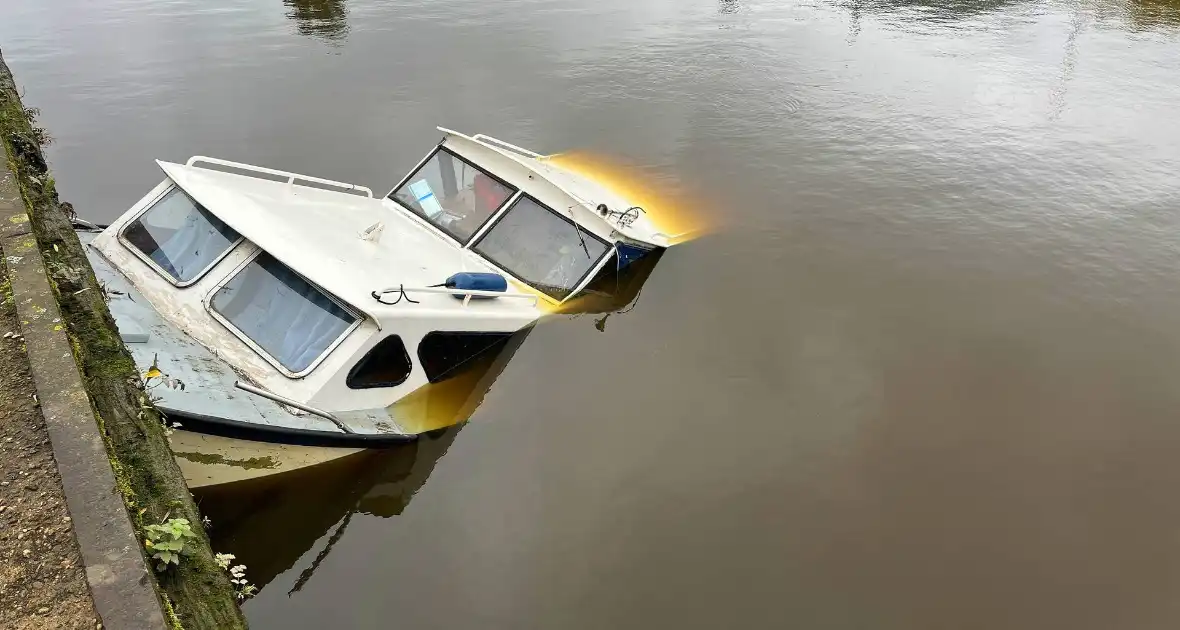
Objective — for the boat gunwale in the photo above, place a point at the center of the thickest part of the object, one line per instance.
(276, 434)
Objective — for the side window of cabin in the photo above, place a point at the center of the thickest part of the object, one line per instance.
(290, 320)
(180, 237)
(387, 364)
(444, 354)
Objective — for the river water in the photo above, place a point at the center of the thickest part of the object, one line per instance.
(923, 376)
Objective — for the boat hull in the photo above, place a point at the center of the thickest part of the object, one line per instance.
(208, 460)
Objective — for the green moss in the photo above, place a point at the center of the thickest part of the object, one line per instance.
(122, 482)
(170, 612)
(197, 594)
(254, 463)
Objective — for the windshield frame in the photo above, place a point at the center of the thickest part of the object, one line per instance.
(575, 287)
(515, 193)
(121, 236)
(358, 317)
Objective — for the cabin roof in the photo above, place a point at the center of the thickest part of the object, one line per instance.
(318, 234)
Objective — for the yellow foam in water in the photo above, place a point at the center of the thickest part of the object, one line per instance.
(681, 216)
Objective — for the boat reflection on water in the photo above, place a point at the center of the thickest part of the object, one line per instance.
(1145, 15)
(323, 19)
(614, 290)
(271, 523)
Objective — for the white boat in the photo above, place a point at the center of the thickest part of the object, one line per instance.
(283, 308)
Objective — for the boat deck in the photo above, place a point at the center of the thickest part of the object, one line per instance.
(209, 394)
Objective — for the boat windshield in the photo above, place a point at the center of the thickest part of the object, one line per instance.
(180, 237)
(453, 194)
(542, 248)
(281, 314)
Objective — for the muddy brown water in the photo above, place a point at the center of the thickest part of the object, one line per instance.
(926, 376)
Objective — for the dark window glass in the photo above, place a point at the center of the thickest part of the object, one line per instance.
(445, 354)
(387, 364)
(541, 247)
(283, 314)
(180, 236)
(453, 194)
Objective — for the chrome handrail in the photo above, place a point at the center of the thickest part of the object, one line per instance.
(253, 389)
(467, 294)
(291, 177)
(486, 139)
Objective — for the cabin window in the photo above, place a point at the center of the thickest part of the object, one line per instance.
(541, 247)
(285, 317)
(446, 353)
(180, 237)
(453, 194)
(387, 364)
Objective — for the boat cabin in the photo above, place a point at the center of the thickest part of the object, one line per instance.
(297, 302)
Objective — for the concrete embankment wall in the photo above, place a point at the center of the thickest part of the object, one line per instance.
(116, 466)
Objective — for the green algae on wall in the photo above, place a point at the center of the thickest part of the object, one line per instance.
(254, 463)
(197, 594)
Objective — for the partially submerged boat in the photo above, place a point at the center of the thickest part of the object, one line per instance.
(288, 309)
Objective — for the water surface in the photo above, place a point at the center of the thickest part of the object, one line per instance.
(925, 377)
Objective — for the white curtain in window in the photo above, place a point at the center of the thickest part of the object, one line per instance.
(190, 248)
(279, 311)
